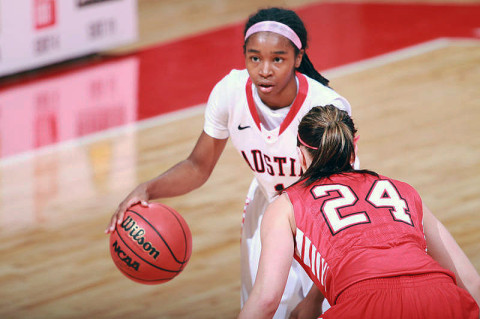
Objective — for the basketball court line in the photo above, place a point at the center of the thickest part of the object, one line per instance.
(380, 60)
(398, 55)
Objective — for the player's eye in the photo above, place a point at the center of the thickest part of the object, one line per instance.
(255, 59)
(278, 60)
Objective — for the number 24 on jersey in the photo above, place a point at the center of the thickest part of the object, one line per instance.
(382, 194)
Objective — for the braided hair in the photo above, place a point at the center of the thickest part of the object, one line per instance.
(291, 19)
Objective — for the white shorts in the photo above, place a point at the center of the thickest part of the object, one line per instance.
(298, 283)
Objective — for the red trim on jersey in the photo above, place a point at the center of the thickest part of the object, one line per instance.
(297, 104)
(251, 103)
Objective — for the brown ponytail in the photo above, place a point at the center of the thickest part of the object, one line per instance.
(330, 132)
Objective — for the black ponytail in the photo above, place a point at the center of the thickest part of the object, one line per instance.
(307, 68)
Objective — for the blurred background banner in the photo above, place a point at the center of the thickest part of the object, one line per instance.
(35, 33)
(59, 109)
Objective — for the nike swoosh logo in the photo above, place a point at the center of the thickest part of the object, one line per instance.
(242, 127)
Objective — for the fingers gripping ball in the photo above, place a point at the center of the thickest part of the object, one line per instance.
(152, 245)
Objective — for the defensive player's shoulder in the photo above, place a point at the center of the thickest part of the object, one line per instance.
(294, 189)
(399, 184)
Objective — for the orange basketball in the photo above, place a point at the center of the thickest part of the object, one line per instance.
(152, 245)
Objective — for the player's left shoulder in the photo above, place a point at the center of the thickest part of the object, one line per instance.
(321, 95)
(401, 186)
(317, 88)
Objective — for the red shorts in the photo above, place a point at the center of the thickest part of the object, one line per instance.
(421, 296)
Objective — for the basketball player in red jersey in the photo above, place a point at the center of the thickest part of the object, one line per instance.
(367, 241)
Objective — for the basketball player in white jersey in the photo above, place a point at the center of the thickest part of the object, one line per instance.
(260, 109)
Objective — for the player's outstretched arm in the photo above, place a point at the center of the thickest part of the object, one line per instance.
(185, 176)
(275, 261)
(444, 249)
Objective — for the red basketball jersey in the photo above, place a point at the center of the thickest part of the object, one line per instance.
(354, 227)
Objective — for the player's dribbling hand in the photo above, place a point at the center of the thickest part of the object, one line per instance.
(138, 195)
(310, 307)
(306, 311)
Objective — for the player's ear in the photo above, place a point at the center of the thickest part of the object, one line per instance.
(302, 158)
(355, 144)
(298, 58)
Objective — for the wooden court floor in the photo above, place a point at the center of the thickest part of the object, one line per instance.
(417, 116)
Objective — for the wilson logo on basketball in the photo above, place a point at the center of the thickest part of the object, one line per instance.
(136, 233)
(152, 245)
(124, 257)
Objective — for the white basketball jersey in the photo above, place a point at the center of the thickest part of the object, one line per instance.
(270, 154)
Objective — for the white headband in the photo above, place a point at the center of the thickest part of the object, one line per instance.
(276, 27)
